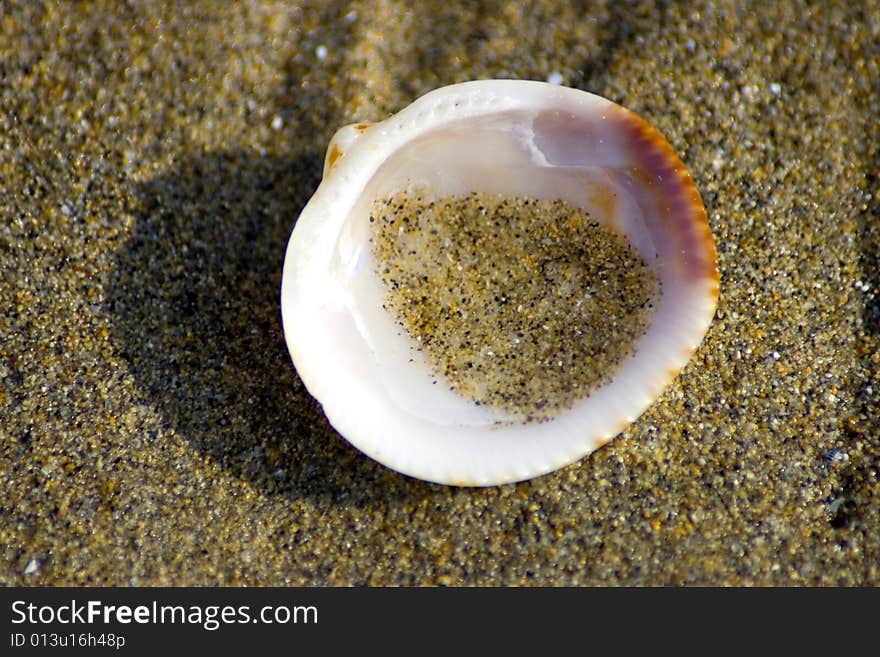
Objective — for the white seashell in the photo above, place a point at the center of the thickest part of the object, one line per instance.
(502, 137)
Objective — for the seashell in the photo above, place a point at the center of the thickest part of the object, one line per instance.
(505, 139)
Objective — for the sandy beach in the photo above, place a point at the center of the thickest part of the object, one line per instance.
(153, 430)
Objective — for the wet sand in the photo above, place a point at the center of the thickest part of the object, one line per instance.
(152, 164)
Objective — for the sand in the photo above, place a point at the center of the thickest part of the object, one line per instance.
(154, 431)
(522, 305)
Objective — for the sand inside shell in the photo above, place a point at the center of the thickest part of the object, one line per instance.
(520, 304)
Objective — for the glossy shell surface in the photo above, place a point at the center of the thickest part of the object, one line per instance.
(501, 137)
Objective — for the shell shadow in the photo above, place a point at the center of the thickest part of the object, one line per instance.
(195, 304)
(195, 311)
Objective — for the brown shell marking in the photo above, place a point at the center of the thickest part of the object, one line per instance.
(334, 153)
(333, 156)
(678, 199)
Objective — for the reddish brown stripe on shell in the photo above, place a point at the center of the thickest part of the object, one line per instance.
(680, 205)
